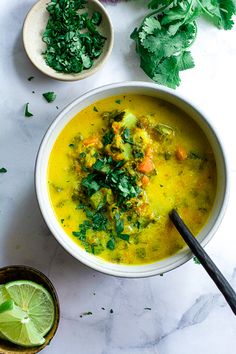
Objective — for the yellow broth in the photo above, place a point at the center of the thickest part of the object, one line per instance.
(183, 177)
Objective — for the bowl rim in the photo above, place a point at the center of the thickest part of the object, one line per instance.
(187, 254)
(70, 77)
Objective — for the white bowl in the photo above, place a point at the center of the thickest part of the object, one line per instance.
(42, 190)
(34, 26)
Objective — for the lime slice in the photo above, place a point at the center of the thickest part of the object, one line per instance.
(17, 327)
(36, 301)
(4, 296)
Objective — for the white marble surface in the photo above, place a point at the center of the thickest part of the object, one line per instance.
(188, 315)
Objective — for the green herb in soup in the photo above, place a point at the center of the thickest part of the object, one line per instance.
(116, 172)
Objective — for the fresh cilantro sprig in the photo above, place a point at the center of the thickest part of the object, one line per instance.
(166, 34)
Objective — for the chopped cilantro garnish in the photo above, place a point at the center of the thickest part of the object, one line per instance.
(118, 101)
(126, 136)
(119, 223)
(49, 96)
(27, 112)
(62, 221)
(30, 78)
(71, 145)
(147, 308)
(108, 137)
(111, 311)
(72, 37)
(111, 244)
(124, 237)
(95, 109)
(3, 170)
(96, 18)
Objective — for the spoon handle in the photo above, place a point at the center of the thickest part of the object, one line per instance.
(215, 274)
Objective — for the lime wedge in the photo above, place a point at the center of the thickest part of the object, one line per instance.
(17, 327)
(36, 301)
(3, 294)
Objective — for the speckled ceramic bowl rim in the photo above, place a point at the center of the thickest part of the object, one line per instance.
(133, 271)
(77, 76)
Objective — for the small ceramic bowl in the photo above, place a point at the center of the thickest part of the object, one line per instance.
(41, 183)
(20, 272)
(34, 26)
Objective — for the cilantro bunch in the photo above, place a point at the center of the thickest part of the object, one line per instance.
(166, 34)
(72, 38)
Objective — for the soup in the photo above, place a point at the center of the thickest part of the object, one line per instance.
(119, 167)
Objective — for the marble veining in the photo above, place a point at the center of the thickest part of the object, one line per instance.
(179, 313)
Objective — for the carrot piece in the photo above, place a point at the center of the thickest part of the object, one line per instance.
(145, 180)
(116, 127)
(92, 140)
(181, 153)
(146, 165)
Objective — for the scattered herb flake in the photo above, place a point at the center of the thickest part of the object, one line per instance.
(62, 221)
(111, 311)
(118, 101)
(3, 170)
(87, 313)
(196, 260)
(95, 109)
(147, 308)
(103, 308)
(30, 78)
(27, 112)
(49, 96)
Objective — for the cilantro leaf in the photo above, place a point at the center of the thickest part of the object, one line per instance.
(221, 11)
(49, 96)
(119, 224)
(27, 112)
(111, 244)
(126, 136)
(164, 36)
(124, 237)
(3, 170)
(108, 137)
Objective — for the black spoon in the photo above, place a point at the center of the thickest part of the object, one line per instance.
(215, 274)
